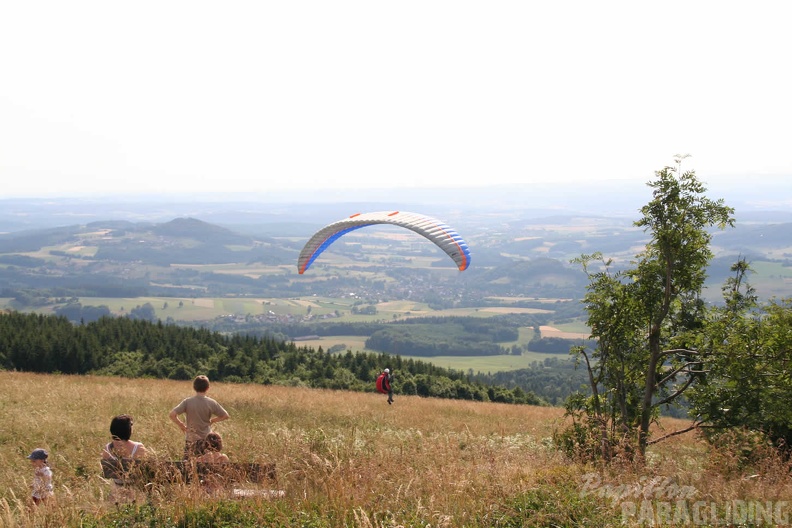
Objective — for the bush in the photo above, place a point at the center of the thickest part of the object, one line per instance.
(737, 451)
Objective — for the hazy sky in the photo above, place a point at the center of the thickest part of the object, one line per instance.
(260, 95)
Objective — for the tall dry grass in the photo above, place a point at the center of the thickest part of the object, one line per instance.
(343, 459)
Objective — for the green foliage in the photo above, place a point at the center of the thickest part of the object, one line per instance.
(645, 318)
(446, 336)
(556, 345)
(748, 381)
(554, 379)
(76, 312)
(444, 339)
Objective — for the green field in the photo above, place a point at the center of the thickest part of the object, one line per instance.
(483, 364)
(203, 308)
(207, 308)
(486, 364)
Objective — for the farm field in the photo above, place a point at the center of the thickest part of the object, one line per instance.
(772, 277)
(203, 308)
(483, 364)
(487, 364)
(346, 459)
(206, 308)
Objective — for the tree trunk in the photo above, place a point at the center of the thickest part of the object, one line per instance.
(649, 390)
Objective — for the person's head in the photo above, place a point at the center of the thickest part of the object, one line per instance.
(213, 442)
(387, 371)
(121, 427)
(38, 457)
(201, 384)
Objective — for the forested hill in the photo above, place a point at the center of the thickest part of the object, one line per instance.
(135, 348)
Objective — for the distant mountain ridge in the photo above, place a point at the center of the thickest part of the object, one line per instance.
(182, 240)
(763, 195)
(514, 254)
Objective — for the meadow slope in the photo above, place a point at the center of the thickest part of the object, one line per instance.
(343, 459)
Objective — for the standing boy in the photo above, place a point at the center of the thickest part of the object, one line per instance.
(201, 411)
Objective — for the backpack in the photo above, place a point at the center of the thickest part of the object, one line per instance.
(383, 384)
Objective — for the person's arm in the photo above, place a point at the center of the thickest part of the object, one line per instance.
(175, 417)
(218, 418)
(220, 414)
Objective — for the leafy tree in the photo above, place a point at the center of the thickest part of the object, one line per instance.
(747, 383)
(145, 312)
(643, 317)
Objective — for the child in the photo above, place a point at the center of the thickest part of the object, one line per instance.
(201, 412)
(42, 476)
(213, 479)
(212, 450)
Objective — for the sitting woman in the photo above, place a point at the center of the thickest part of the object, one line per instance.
(211, 450)
(115, 455)
(121, 447)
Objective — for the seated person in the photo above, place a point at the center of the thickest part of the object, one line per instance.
(211, 450)
(121, 447)
(210, 453)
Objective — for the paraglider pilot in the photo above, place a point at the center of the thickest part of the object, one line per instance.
(385, 384)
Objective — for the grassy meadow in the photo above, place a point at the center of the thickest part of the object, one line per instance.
(346, 459)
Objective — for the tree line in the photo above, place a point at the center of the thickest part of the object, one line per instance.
(136, 348)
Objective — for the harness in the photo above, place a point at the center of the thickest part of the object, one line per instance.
(383, 383)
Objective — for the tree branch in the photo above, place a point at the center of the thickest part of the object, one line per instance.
(677, 371)
(676, 394)
(695, 425)
(665, 353)
(592, 382)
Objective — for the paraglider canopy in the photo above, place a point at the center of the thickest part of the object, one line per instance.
(434, 230)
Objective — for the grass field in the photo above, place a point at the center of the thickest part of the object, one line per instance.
(350, 460)
(487, 364)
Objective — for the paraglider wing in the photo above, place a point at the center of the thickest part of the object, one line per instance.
(442, 235)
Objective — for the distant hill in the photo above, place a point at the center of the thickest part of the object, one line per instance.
(516, 252)
(765, 198)
(194, 229)
(179, 241)
(757, 239)
(113, 258)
